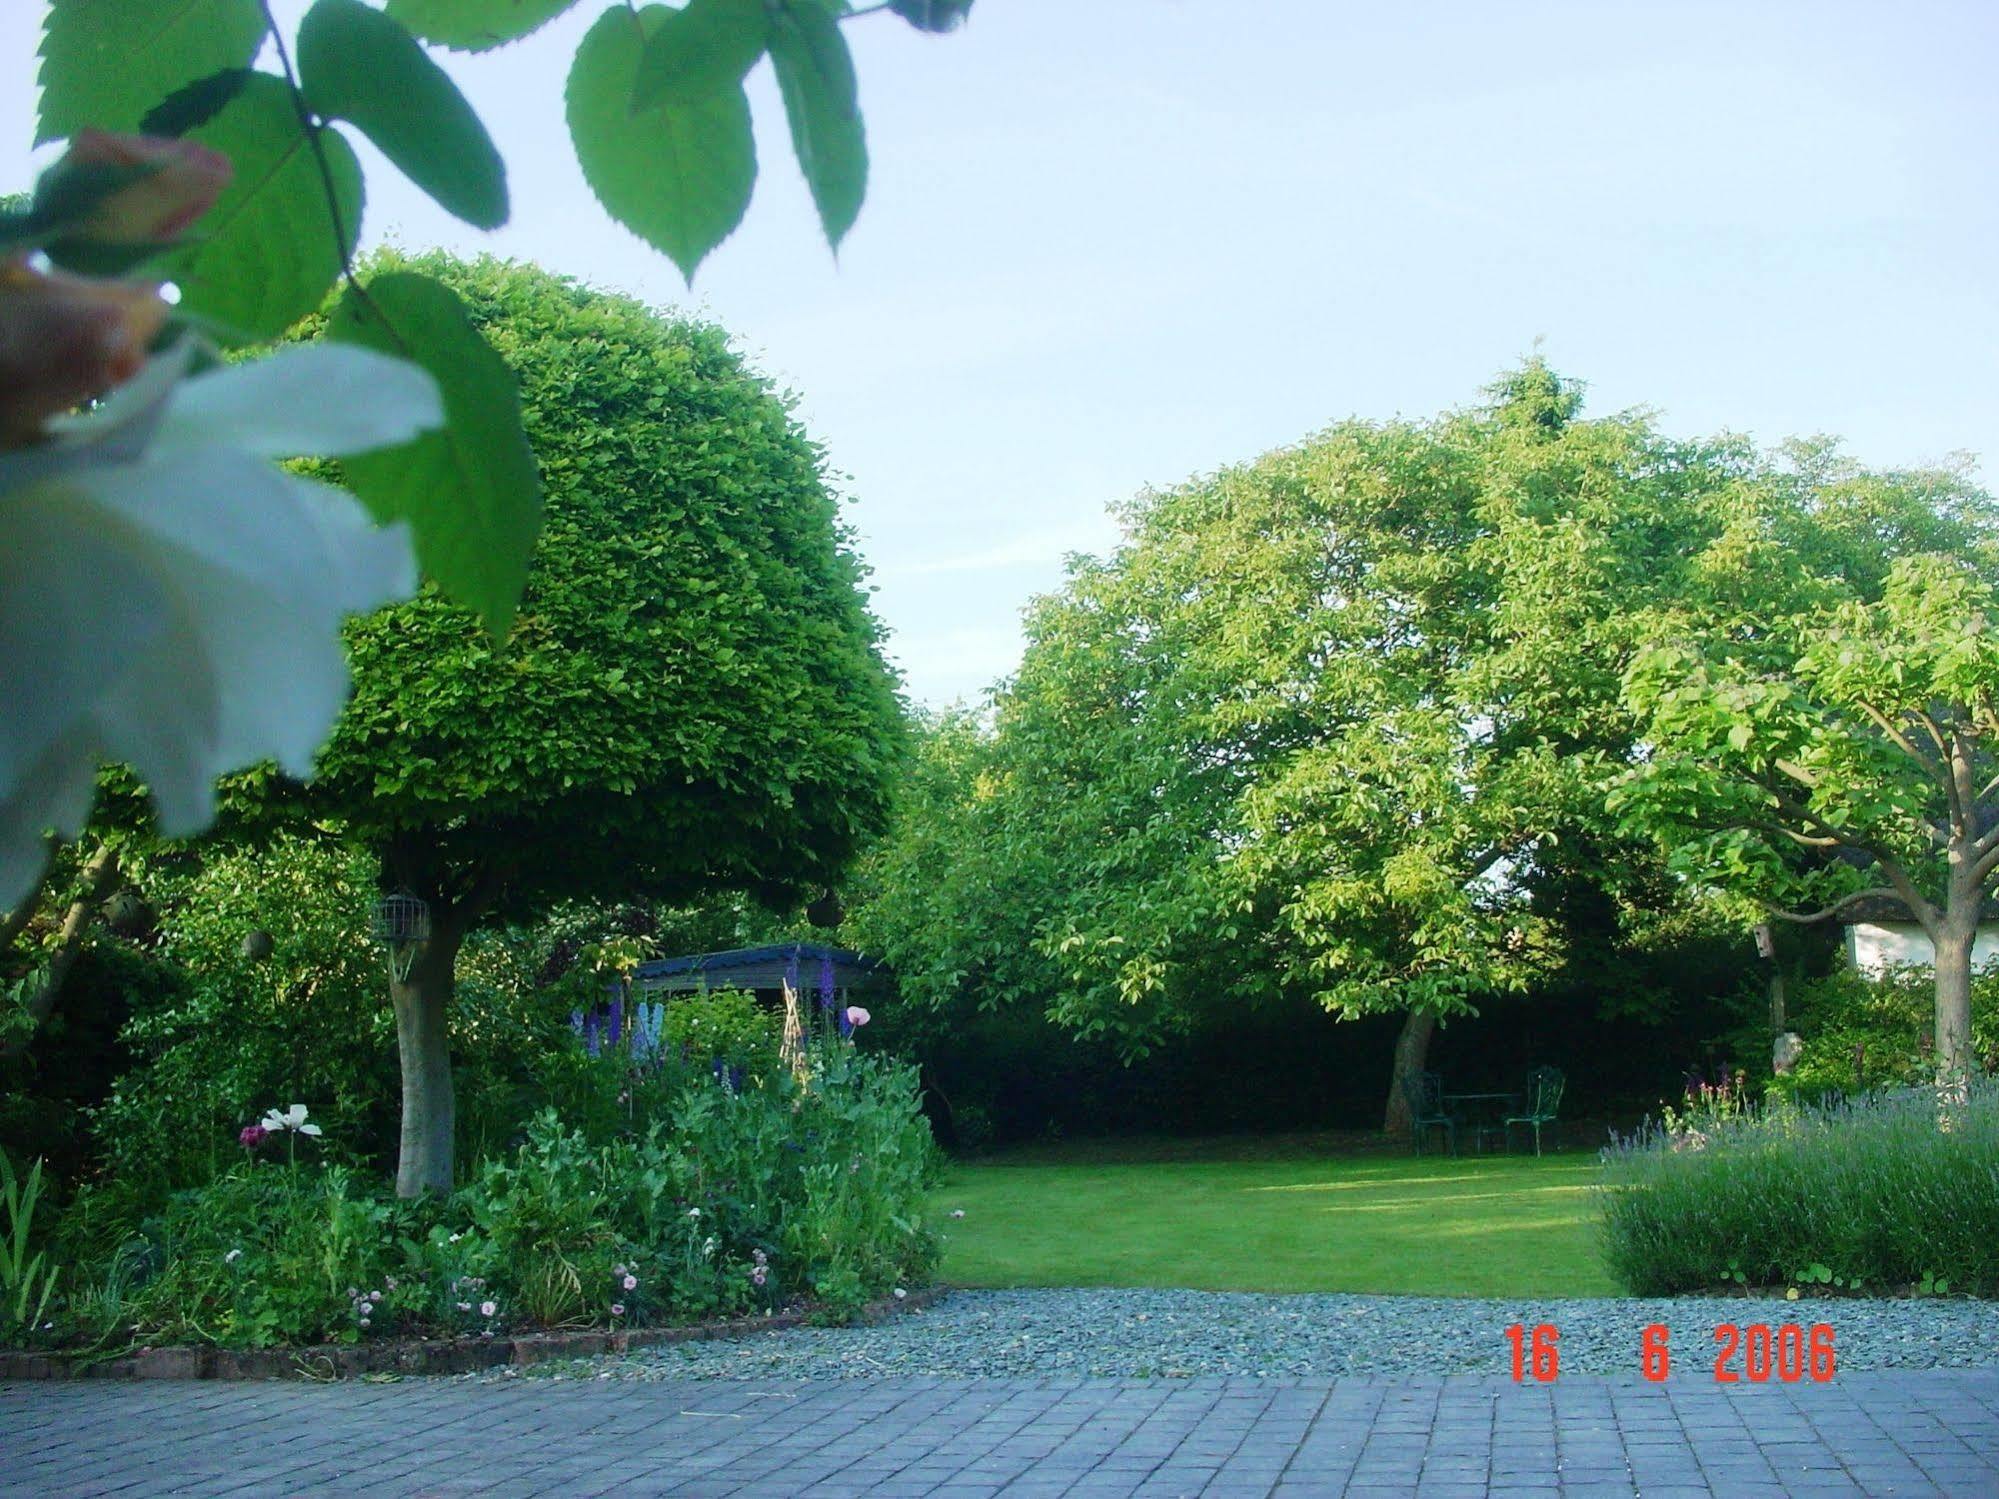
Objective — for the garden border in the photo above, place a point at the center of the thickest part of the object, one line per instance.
(328, 1361)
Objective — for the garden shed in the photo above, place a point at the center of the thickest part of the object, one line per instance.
(1882, 933)
(808, 967)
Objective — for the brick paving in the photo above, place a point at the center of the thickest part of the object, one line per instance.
(1464, 1437)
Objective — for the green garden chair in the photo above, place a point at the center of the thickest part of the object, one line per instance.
(1544, 1097)
(1425, 1093)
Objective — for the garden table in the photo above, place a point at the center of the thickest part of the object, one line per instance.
(1485, 1114)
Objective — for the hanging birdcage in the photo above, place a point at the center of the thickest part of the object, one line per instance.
(401, 924)
(401, 919)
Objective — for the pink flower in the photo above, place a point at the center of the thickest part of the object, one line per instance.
(251, 1136)
(631, 1282)
(64, 339)
(617, 1309)
(181, 182)
(758, 1275)
(857, 1016)
(488, 1308)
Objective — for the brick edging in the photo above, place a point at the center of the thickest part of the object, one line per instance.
(413, 1356)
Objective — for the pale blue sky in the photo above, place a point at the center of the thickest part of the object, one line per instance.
(1111, 243)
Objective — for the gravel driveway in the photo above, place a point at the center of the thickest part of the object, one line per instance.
(1137, 1334)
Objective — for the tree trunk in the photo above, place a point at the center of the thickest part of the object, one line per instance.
(1412, 1050)
(423, 1007)
(1953, 971)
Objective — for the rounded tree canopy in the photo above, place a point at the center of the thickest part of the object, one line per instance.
(693, 696)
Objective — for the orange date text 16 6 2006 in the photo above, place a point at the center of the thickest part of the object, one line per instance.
(1756, 1353)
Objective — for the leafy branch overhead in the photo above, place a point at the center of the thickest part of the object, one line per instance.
(661, 124)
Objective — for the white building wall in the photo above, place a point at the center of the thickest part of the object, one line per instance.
(1873, 948)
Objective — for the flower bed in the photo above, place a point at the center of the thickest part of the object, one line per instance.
(732, 1202)
(422, 1356)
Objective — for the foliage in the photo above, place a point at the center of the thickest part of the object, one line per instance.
(1882, 1191)
(306, 1022)
(291, 220)
(27, 1281)
(1339, 723)
(730, 1201)
(724, 1027)
(693, 694)
(1861, 1033)
(1849, 748)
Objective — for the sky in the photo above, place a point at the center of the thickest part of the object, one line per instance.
(1112, 244)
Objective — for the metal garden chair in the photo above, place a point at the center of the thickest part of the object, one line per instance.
(1425, 1094)
(1543, 1099)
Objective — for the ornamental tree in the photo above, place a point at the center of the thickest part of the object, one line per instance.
(1850, 752)
(692, 698)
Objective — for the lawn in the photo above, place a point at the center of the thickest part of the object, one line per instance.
(1221, 1218)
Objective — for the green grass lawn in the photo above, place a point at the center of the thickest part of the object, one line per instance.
(1222, 1217)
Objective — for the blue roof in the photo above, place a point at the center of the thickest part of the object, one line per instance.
(847, 964)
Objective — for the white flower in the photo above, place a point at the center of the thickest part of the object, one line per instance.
(232, 1256)
(488, 1308)
(171, 599)
(292, 1118)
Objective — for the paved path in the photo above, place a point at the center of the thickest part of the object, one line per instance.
(1901, 1432)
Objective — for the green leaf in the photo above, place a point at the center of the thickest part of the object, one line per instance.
(815, 73)
(712, 48)
(932, 15)
(194, 104)
(106, 62)
(357, 64)
(269, 248)
(678, 174)
(470, 492)
(475, 25)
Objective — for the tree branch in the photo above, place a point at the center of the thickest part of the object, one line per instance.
(1878, 892)
(1982, 870)
(18, 919)
(40, 1001)
(1933, 729)
(1925, 913)
(1907, 746)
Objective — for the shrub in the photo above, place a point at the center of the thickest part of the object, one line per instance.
(723, 1027)
(308, 1021)
(1860, 1033)
(1886, 1190)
